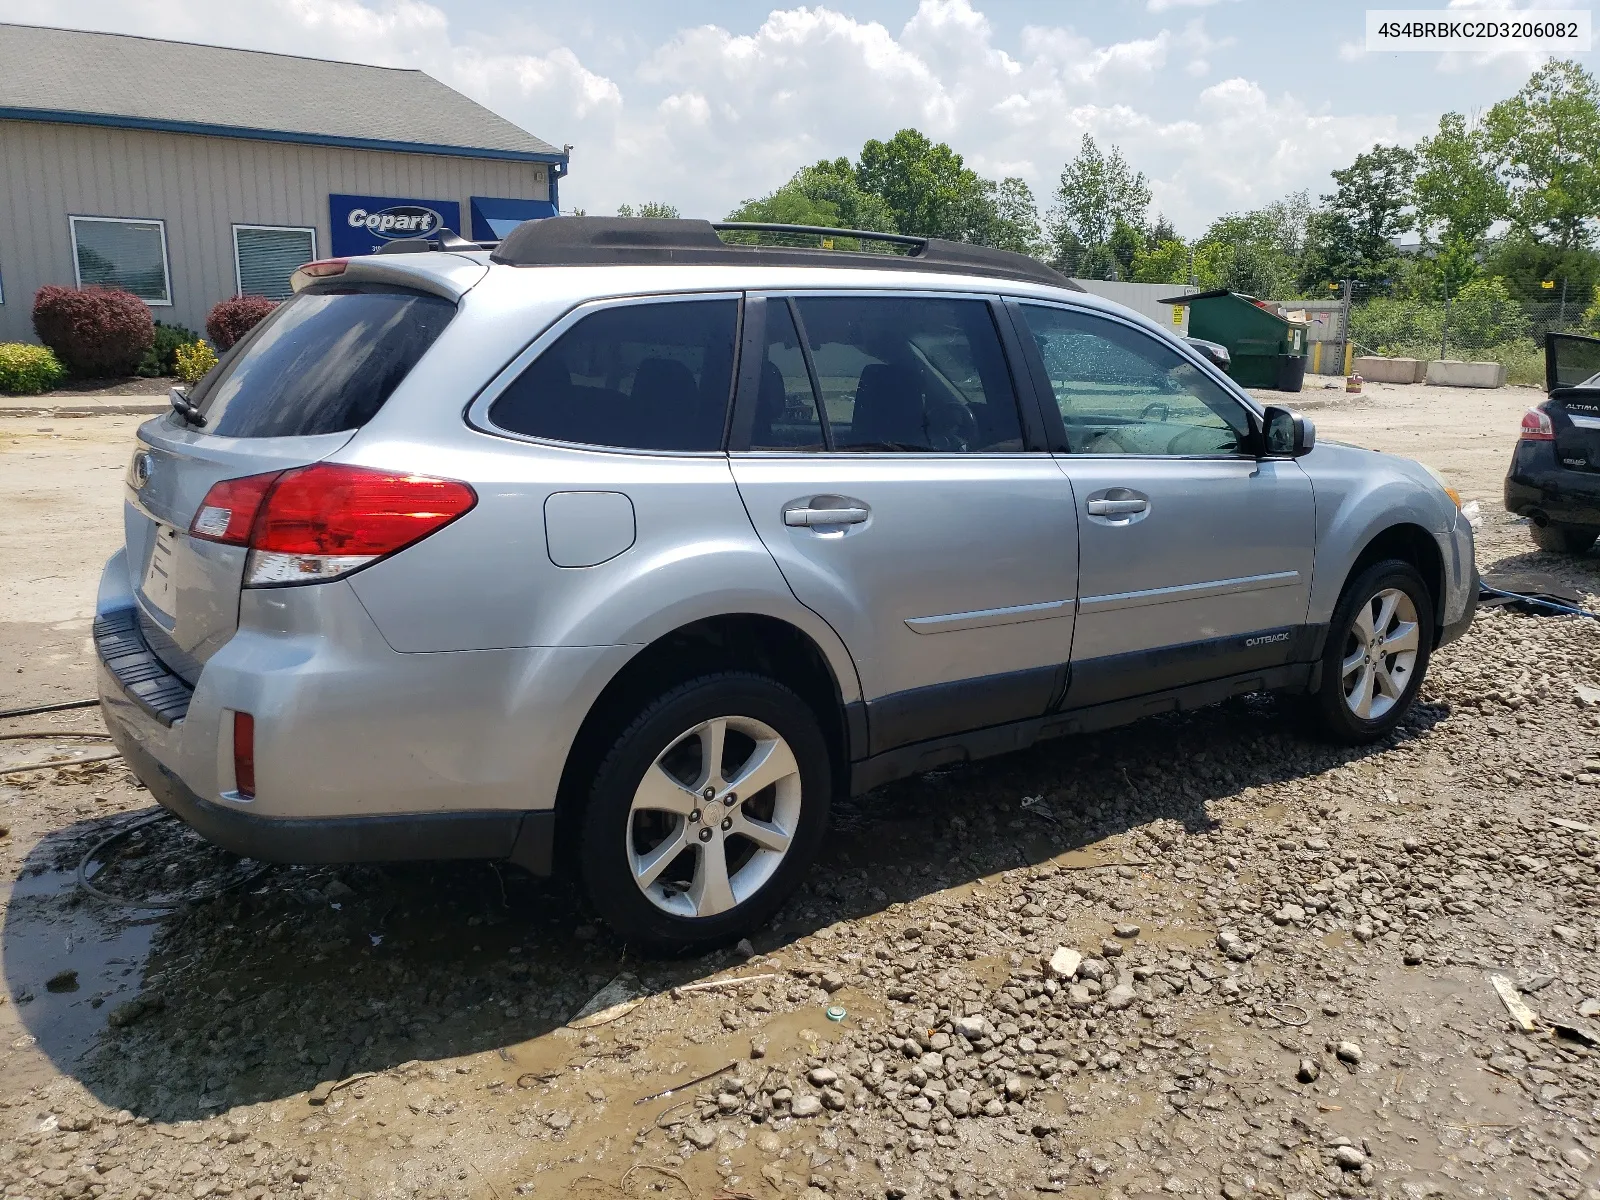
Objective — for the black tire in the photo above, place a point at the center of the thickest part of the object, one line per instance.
(1333, 715)
(1563, 539)
(609, 831)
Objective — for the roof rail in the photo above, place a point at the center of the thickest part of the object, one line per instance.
(638, 241)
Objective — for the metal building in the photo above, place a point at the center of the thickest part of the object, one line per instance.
(186, 173)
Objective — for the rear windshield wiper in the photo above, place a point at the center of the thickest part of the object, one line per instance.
(185, 408)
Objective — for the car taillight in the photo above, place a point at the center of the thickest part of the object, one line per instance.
(319, 522)
(228, 512)
(244, 755)
(1536, 426)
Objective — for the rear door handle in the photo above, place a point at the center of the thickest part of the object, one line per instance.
(806, 517)
(1111, 508)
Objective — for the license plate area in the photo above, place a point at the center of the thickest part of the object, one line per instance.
(159, 587)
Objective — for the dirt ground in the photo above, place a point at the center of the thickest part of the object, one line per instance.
(1276, 978)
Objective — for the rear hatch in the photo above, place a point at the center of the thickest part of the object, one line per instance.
(291, 393)
(1572, 377)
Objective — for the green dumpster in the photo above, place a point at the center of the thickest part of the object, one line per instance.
(1268, 351)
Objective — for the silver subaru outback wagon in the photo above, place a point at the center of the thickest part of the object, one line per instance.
(632, 543)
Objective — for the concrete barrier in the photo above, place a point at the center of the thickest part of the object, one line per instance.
(1391, 370)
(1449, 372)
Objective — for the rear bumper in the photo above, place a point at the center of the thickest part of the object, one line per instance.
(525, 838)
(1537, 483)
(361, 753)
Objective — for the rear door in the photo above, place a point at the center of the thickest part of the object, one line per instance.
(1572, 377)
(292, 392)
(1195, 556)
(881, 454)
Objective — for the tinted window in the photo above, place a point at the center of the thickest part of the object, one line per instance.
(786, 411)
(1121, 391)
(324, 361)
(637, 376)
(911, 373)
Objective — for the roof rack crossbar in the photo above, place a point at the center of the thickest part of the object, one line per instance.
(899, 239)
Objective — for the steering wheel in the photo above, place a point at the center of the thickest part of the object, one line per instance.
(951, 427)
(1159, 410)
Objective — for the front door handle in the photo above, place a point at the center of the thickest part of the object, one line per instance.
(1111, 508)
(807, 517)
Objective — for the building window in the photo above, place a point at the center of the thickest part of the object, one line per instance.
(265, 256)
(115, 252)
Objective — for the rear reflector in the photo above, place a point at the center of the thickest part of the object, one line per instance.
(244, 754)
(1536, 426)
(326, 520)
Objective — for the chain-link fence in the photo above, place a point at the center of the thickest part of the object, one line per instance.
(1480, 326)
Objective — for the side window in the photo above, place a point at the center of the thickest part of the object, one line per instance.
(634, 376)
(1121, 391)
(911, 373)
(786, 411)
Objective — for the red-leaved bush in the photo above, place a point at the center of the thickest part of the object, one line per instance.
(95, 331)
(231, 319)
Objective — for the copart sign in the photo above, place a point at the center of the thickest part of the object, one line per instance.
(363, 224)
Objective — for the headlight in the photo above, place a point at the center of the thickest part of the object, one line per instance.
(1455, 496)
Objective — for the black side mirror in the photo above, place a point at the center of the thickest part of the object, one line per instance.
(1286, 434)
(1214, 353)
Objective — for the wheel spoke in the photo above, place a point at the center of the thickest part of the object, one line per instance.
(1387, 603)
(713, 737)
(1363, 623)
(711, 893)
(660, 792)
(770, 762)
(647, 867)
(1388, 685)
(763, 833)
(1352, 664)
(1403, 638)
(1360, 698)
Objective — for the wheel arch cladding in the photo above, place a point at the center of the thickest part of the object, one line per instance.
(1412, 544)
(734, 642)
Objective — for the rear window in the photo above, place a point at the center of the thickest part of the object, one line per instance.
(323, 362)
(651, 376)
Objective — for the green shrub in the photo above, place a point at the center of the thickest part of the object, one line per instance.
(159, 360)
(28, 370)
(194, 360)
(1485, 315)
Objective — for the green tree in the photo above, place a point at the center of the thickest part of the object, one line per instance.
(1525, 264)
(1163, 262)
(1257, 252)
(1485, 314)
(1457, 193)
(1352, 238)
(1014, 224)
(1546, 140)
(928, 187)
(1126, 243)
(825, 193)
(1096, 190)
(650, 208)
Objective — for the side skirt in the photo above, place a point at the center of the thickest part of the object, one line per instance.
(1019, 735)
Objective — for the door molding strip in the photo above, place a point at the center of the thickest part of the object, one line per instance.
(1113, 601)
(983, 618)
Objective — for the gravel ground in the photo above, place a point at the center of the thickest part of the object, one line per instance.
(1200, 956)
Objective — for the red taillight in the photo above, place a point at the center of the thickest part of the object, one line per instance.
(229, 510)
(324, 267)
(1536, 426)
(244, 754)
(326, 520)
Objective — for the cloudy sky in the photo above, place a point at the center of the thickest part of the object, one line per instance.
(1224, 104)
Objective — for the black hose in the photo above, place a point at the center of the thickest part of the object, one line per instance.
(140, 822)
(1524, 599)
(45, 708)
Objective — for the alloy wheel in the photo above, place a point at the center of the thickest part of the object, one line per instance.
(714, 816)
(1380, 654)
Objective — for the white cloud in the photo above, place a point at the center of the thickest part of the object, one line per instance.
(711, 116)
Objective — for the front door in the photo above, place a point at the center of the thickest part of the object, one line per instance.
(1195, 556)
(885, 468)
